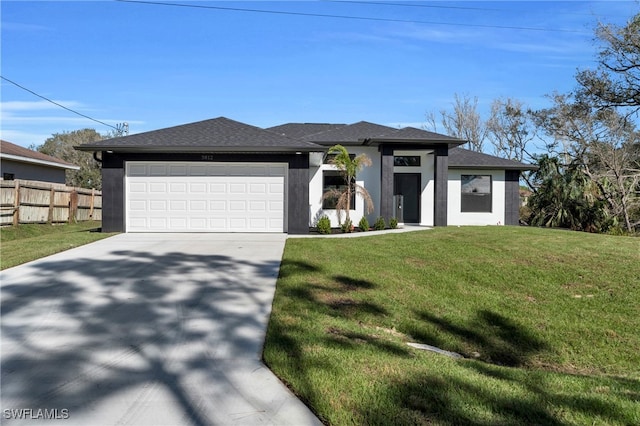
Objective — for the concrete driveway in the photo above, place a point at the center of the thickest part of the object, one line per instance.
(145, 329)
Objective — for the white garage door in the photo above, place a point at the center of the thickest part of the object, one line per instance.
(205, 197)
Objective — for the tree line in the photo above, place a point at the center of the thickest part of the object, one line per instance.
(586, 144)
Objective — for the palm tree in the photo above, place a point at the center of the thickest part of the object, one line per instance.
(566, 198)
(348, 168)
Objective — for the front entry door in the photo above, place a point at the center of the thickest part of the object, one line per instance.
(408, 185)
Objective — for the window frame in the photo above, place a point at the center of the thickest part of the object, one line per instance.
(397, 158)
(477, 199)
(328, 203)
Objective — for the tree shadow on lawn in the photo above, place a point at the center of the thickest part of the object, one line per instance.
(340, 298)
(78, 332)
(444, 398)
(496, 338)
(478, 399)
(447, 398)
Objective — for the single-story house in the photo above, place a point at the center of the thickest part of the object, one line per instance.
(221, 175)
(17, 162)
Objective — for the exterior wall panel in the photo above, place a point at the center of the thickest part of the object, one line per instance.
(27, 171)
(497, 215)
(512, 197)
(441, 201)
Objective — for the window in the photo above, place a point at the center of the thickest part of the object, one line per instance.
(8, 176)
(333, 180)
(406, 160)
(476, 194)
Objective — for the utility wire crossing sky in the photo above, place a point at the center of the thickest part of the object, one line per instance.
(96, 64)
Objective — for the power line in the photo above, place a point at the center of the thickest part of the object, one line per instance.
(438, 6)
(429, 6)
(57, 104)
(361, 18)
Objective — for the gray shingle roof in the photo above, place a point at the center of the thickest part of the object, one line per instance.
(300, 130)
(353, 133)
(215, 135)
(460, 158)
(413, 133)
(225, 135)
(358, 132)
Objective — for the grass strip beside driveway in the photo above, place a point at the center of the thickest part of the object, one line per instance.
(547, 322)
(24, 243)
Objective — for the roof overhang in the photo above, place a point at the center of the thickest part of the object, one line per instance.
(428, 143)
(521, 167)
(400, 143)
(196, 149)
(39, 162)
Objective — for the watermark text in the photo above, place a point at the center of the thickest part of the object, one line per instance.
(36, 413)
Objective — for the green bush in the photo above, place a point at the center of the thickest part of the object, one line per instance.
(393, 223)
(347, 226)
(380, 224)
(363, 224)
(324, 225)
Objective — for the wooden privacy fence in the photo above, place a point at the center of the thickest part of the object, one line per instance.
(27, 201)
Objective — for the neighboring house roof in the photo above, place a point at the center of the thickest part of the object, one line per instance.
(362, 133)
(465, 159)
(10, 151)
(215, 135)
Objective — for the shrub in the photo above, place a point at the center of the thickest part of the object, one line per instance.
(363, 224)
(380, 224)
(324, 225)
(347, 226)
(393, 223)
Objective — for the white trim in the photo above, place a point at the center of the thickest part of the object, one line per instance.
(22, 159)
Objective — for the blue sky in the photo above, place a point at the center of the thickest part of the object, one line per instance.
(156, 66)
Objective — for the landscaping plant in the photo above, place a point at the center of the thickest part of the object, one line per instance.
(393, 223)
(379, 224)
(324, 225)
(348, 168)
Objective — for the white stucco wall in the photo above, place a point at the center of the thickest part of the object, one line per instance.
(369, 178)
(454, 214)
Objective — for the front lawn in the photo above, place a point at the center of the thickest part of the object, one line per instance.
(24, 243)
(547, 322)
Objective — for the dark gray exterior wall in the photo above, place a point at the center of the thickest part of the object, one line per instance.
(512, 197)
(112, 193)
(298, 195)
(441, 189)
(386, 183)
(28, 171)
(113, 185)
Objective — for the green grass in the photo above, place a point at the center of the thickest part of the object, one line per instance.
(24, 243)
(547, 322)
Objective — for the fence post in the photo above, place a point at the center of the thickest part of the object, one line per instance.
(16, 203)
(73, 205)
(93, 195)
(52, 197)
